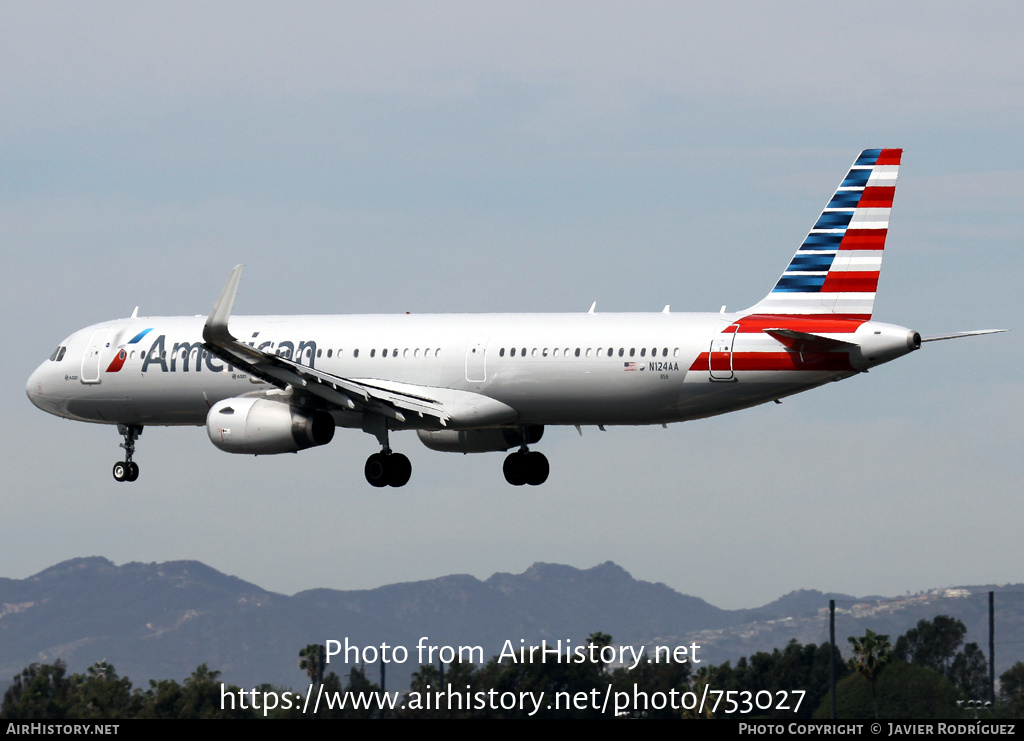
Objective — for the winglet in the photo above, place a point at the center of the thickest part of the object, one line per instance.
(216, 328)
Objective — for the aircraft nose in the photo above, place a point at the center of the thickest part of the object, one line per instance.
(40, 391)
(34, 387)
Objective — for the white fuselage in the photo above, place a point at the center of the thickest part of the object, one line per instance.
(489, 369)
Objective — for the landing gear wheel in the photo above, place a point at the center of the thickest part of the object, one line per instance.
(526, 468)
(387, 469)
(399, 469)
(127, 470)
(514, 469)
(376, 470)
(537, 468)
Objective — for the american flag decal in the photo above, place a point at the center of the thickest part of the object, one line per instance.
(629, 366)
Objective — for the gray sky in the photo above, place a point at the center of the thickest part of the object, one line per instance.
(474, 157)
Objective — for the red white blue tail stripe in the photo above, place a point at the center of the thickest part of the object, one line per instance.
(835, 271)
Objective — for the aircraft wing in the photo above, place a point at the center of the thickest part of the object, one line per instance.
(282, 372)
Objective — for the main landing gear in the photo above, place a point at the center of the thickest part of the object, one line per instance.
(524, 467)
(128, 470)
(387, 469)
(384, 468)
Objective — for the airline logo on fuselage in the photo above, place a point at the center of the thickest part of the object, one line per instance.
(191, 356)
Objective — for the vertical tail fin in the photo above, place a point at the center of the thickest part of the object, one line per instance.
(835, 270)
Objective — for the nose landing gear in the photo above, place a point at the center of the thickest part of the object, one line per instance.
(127, 470)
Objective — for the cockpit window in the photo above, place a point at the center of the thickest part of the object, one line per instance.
(58, 354)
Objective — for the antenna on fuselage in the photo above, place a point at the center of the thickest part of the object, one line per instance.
(592, 307)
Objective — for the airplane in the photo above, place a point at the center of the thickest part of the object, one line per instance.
(473, 383)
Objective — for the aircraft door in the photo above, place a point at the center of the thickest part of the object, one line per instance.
(93, 353)
(720, 354)
(476, 360)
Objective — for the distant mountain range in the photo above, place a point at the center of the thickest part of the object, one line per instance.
(160, 621)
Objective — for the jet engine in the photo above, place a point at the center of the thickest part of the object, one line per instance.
(479, 441)
(264, 427)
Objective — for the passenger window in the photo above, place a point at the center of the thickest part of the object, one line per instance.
(643, 352)
(355, 353)
(577, 352)
(373, 352)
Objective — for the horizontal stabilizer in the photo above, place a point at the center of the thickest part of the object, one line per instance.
(807, 342)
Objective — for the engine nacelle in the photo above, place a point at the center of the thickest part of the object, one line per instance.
(479, 441)
(264, 427)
